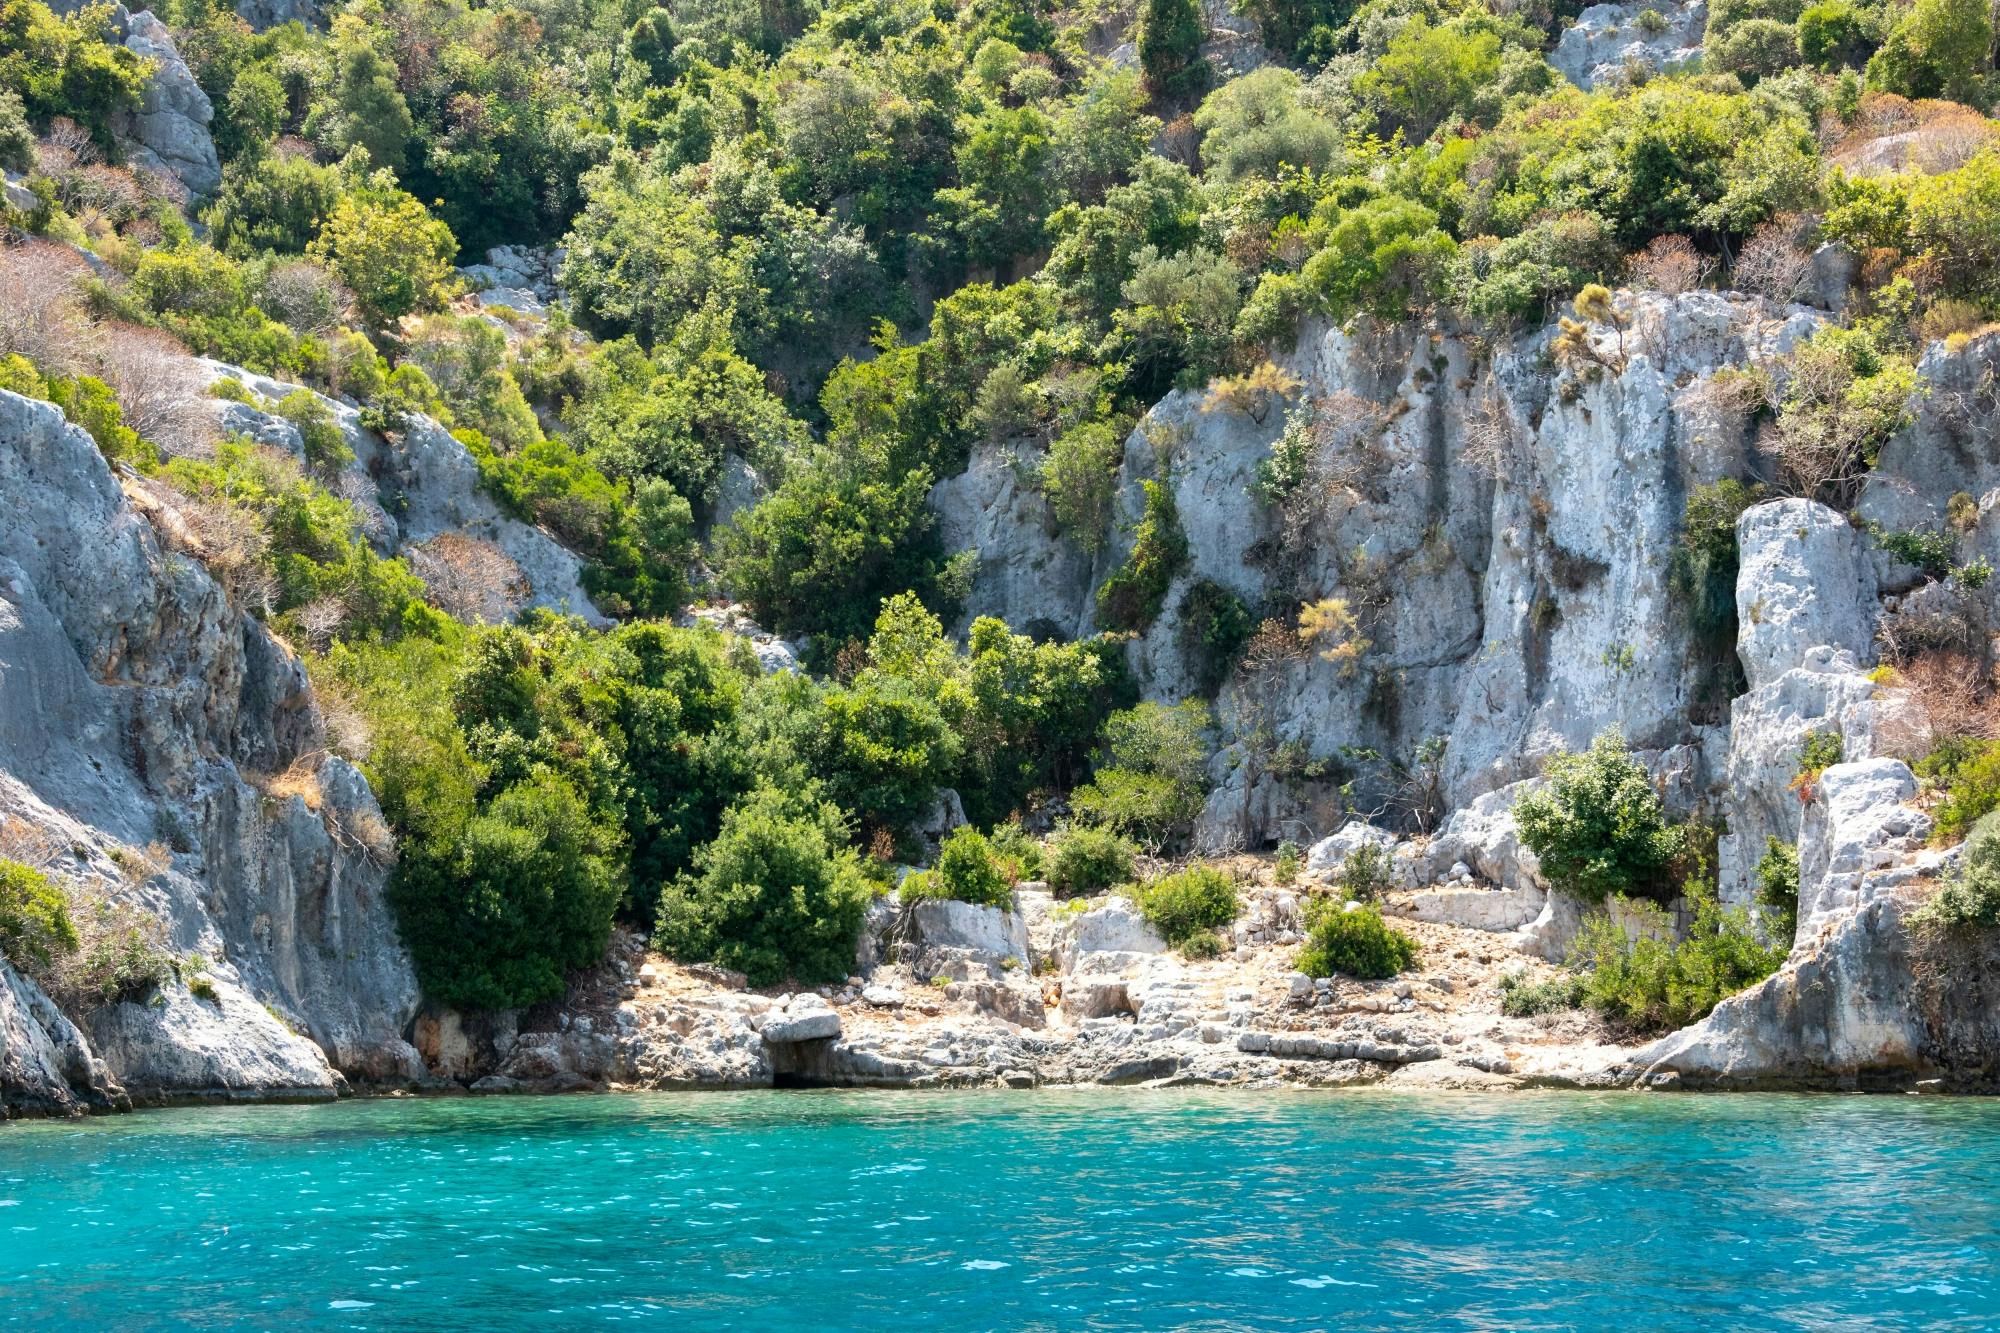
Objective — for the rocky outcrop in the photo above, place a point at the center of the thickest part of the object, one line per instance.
(1861, 1001)
(413, 490)
(1608, 43)
(159, 744)
(168, 132)
(1503, 529)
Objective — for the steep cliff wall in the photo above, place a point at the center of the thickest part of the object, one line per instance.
(139, 710)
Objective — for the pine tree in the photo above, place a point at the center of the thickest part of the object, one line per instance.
(1170, 49)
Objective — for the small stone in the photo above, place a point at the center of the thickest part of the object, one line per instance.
(1301, 985)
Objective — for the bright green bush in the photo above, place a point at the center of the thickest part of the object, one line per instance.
(1969, 774)
(273, 201)
(1088, 860)
(1353, 942)
(1080, 478)
(389, 250)
(1190, 904)
(1132, 597)
(497, 915)
(1938, 49)
(778, 894)
(1778, 888)
(1155, 778)
(72, 65)
(35, 926)
(967, 869)
(1657, 984)
(1521, 998)
(1599, 828)
(1019, 855)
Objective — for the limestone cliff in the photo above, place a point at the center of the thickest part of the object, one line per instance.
(144, 723)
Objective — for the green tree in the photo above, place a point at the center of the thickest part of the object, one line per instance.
(1599, 828)
(778, 894)
(1429, 74)
(1939, 49)
(1170, 33)
(367, 110)
(273, 202)
(1385, 257)
(389, 250)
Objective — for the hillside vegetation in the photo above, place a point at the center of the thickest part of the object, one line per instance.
(837, 244)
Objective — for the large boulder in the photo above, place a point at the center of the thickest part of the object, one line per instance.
(168, 132)
(1608, 42)
(1804, 582)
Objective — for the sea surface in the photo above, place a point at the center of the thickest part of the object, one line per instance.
(1048, 1210)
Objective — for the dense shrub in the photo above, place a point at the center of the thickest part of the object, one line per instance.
(968, 869)
(72, 66)
(1354, 942)
(1019, 855)
(1778, 889)
(35, 925)
(1706, 556)
(1599, 828)
(1156, 776)
(1190, 904)
(778, 894)
(497, 915)
(1655, 983)
(1521, 998)
(1087, 860)
(1968, 772)
(389, 250)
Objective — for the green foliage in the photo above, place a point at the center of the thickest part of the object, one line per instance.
(1385, 257)
(1354, 942)
(311, 543)
(72, 65)
(1778, 888)
(843, 531)
(1084, 859)
(776, 895)
(521, 894)
(1132, 597)
(91, 404)
(389, 250)
(1932, 550)
(1170, 34)
(1189, 905)
(35, 926)
(1657, 984)
(1019, 855)
(1970, 897)
(17, 140)
(1599, 828)
(1155, 778)
(273, 202)
(1214, 626)
(1819, 751)
(1706, 556)
(1521, 998)
(882, 747)
(1365, 873)
(1754, 49)
(325, 444)
(1080, 478)
(1968, 772)
(1256, 126)
(1834, 34)
(968, 869)
(1528, 276)
(1429, 74)
(1938, 49)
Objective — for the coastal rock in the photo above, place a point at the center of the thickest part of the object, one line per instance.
(806, 1018)
(160, 747)
(46, 1065)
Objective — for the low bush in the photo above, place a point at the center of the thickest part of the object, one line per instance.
(1659, 984)
(778, 894)
(1289, 862)
(1189, 905)
(1968, 772)
(1156, 779)
(1599, 828)
(1132, 597)
(1086, 860)
(1355, 942)
(1522, 998)
(1019, 855)
(1971, 897)
(967, 870)
(1365, 873)
(1778, 888)
(35, 926)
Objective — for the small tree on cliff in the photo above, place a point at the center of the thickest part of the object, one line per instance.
(1170, 49)
(1599, 828)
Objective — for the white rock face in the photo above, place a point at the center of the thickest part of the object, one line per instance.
(1805, 583)
(1858, 826)
(1607, 40)
(1514, 608)
(169, 130)
(956, 927)
(46, 1065)
(1031, 574)
(1114, 926)
(135, 704)
(807, 1018)
(1330, 854)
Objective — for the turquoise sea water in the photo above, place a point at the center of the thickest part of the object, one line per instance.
(1043, 1210)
